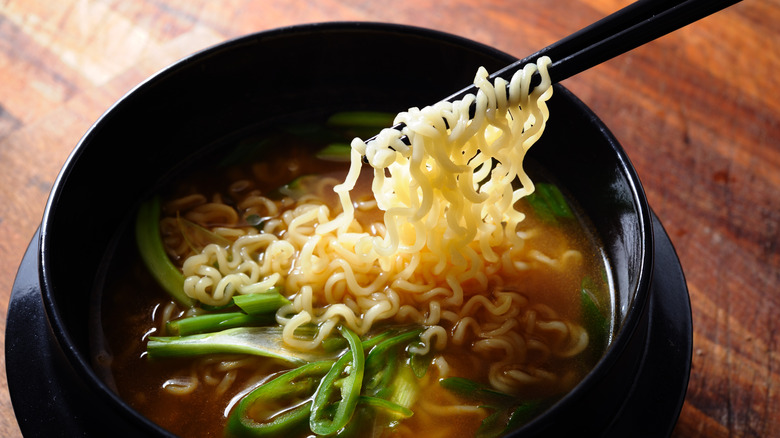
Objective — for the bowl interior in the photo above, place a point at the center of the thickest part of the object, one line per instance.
(310, 68)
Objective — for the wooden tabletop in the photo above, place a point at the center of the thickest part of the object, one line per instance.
(698, 112)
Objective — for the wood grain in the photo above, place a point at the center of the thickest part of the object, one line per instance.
(697, 111)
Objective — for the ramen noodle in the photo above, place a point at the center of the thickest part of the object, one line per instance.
(431, 232)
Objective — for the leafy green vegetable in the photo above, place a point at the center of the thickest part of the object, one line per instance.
(549, 203)
(596, 323)
(150, 245)
(555, 200)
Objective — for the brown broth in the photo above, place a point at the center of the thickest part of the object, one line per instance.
(131, 305)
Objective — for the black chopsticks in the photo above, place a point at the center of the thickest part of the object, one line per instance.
(634, 25)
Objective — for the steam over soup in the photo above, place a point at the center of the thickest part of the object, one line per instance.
(420, 283)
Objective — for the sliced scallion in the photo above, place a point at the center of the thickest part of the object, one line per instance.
(404, 388)
(212, 322)
(387, 405)
(150, 245)
(261, 302)
(473, 390)
(346, 375)
(257, 341)
(376, 360)
(596, 324)
(294, 385)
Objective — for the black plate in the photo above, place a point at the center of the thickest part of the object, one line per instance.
(50, 400)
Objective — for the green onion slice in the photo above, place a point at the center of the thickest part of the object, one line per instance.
(347, 376)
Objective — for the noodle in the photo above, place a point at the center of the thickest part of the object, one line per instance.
(425, 226)
(448, 221)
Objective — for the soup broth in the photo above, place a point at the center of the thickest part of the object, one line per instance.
(194, 396)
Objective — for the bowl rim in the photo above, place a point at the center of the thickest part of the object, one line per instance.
(82, 365)
(639, 304)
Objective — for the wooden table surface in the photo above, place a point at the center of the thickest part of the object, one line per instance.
(698, 112)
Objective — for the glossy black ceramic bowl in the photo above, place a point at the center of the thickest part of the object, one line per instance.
(639, 384)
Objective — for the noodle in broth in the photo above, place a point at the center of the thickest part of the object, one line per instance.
(436, 232)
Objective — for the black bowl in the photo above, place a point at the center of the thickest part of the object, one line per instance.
(329, 67)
